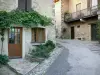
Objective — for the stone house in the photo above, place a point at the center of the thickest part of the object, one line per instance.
(19, 40)
(78, 19)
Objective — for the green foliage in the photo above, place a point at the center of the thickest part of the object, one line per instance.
(18, 17)
(43, 51)
(27, 19)
(50, 44)
(4, 59)
(5, 20)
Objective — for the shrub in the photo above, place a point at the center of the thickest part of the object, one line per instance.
(50, 44)
(43, 50)
(4, 59)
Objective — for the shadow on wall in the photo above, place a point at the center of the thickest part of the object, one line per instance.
(64, 34)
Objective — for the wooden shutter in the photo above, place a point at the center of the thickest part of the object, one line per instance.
(33, 35)
(29, 5)
(24, 5)
(43, 32)
(38, 35)
(41, 35)
(21, 4)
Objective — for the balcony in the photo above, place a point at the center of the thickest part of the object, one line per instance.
(82, 14)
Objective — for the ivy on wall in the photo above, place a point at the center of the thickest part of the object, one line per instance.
(27, 19)
(18, 17)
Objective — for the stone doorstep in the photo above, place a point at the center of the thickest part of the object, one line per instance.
(18, 72)
(12, 69)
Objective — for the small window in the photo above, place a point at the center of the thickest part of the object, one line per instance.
(24, 5)
(38, 35)
(78, 26)
(21, 4)
(14, 35)
(78, 7)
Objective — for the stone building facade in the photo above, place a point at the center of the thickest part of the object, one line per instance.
(80, 19)
(44, 7)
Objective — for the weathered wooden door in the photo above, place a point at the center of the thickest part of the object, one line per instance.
(93, 32)
(72, 33)
(15, 42)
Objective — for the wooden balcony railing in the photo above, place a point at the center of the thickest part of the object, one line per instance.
(85, 13)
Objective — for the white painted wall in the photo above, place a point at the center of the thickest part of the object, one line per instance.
(44, 7)
(7, 5)
(58, 17)
(5, 43)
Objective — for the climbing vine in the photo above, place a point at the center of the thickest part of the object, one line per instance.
(27, 19)
(19, 17)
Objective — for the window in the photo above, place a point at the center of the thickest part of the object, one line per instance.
(78, 7)
(14, 35)
(38, 35)
(24, 5)
(78, 26)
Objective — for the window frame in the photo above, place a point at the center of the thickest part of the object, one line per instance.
(25, 5)
(35, 37)
(77, 7)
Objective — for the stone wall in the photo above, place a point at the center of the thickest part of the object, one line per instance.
(83, 32)
(8, 5)
(83, 29)
(64, 8)
(58, 18)
(46, 7)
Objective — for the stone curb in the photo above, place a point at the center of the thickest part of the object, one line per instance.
(12, 69)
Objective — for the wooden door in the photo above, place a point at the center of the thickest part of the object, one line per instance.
(15, 42)
(72, 33)
(94, 32)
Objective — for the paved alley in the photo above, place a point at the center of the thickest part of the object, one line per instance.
(77, 58)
